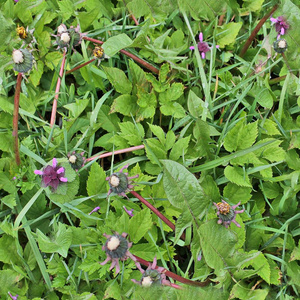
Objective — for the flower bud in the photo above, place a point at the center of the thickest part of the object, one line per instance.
(23, 60)
(280, 45)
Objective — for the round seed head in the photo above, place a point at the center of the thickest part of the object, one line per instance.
(23, 60)
(18, 56)
(114, 180)
(113, 243)
(61, 28)
(118, 182)
(72, 159)
(280, 45)
(65, 37)
(146, 281)
(116, 246)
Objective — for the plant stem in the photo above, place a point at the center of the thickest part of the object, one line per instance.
(173, 275)
(54, 106)
(134, 57)
(157, 212)
(277, 79)
(256, 29)
(116, 152)
(16, 118)
(80, 66)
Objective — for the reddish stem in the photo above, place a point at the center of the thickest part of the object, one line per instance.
(135, 20)
(116, 152)
(173, 275)
(54, 106)
(256, 29)
(277, 79)
(157, 212)
(80, 66)
(16, 118)
(134, 57)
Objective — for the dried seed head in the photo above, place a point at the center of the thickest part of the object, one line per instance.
(116, 246)
(113, 243)
(23, 60)
(65, 37)
(18, 56)
(72, 159)
(61, 28)
(146, 281)
(76, 160)
(224, 208)
(280, 45)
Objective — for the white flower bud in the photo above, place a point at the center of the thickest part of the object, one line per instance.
(18, 56)
(114, 180)
(72, 159)
(147, 281)
(61, 28)
(113, 243)
(65, 37)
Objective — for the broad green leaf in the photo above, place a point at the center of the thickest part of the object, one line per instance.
(269, 127)
(163, 72)
(210, 188)
(118, 79)
(139, 225)
(155, 150)
(8, 250)
(195, 104)
(109, 122)
(96, 183)
(145, 99)
(237, 176)
(125, 104)
(252, 5)
(157, 131)
(172, 93)
(7, 26)
(201, 132)
(218, 244)
(173, 109)
(179, 148)
(66, 9)
(132, 133)
(10, 280)
(183, 189)
(170, 140)
(227, 33)
(36, 73)
(295, 255)
(6, 105)
(235, 193)
(243, 293)
(116, 43)
(264, 97)
(78, 107)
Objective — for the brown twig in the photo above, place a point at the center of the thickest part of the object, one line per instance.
(173, 275)
(256, 29)
(16, 118)
(277, 79)
(157, 212)
(134, 57)
(80, 66)
(116, 152)
(54, 106)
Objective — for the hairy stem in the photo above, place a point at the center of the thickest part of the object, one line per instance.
(80, 66)
(54, 106)
(173, 275)
(256, 29)
(16, 118)
(157, 212)
(116, 152)
(134, 57)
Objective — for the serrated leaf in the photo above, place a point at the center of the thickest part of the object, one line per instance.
(156, 150)
(116, 43)
(183, 189)
(157, 131)
(109, 122)
(237, 176)
(96, 183)
(243, 293)
(125, 104)
(179, 148)
(132, 133)
(139, 225)
(118, 79)
(235, 193)
(227, 33)
(170, 140)
(173, 109)
(163, 72)
(269, 127)
(78, 107)
(195, 105)
(60, 243)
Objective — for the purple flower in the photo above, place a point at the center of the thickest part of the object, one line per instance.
(280, 25)
(129, 211)
(52, 176)
(227, 213)
(117, 248)
(13, 297)
(119, 182)
(202, 46)
(94, 210)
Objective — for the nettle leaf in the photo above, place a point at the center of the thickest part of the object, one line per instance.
(138, 75)
(118, 79)
(237, 175)
(78, 107)
(271, 152)
(8, 250)
(241, 136)
(155, 150)
(145, 99)
(139, 225)
(235, 193)
(96, 183)
(263, 96)
(116, 43)
(243, 293)
(201, 132)
(269, 127)
(109, 122)
(252, 5)
(132, 133)
(170, 140)
(125, 104)
(218, 244)
(147, 251)
(163, 72)
(183, 189)
(59, 243)
(227, 33)
(179, 148)
(172, 93)
(173, 109)
(210, 188)
(157, 131)
(157, 85)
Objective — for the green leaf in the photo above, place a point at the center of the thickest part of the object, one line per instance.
(147, 251)
(183, 189)
(173, 109)
(218, 244)
(139, 225)
(155, 150)
(195, 104)
(8, 250)
(172, 93)
(59, 243)
(243, 293)
(36, 73)
(66, 9)
(235, 193)
(170, 140)
(202, 134)
(116, 43)
(96, 183)
(118, 79)
(252, 5)
(227, 33)
(157, 131)
(78, 107)
(109, 122)
(132, 133)
(125, 104)
(179, 148)
(6, 105)
(269, 127)
(237, 176)
(163, 72)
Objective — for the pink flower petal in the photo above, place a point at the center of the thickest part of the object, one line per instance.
(60, 170)
(203, 55)
(94, 210)
(192, 48)
(38, 172)
(201, 37)
(63, 179)
(273, 20)
(54, 163)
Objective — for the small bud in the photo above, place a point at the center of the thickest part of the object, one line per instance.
(280, 45)
(65, 37)
(21, 32)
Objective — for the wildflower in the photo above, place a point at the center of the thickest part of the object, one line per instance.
(227, 213)
(65, 36)
(153, 276)
(119, 182)
(21, 32)
(52, 175)
(280, 25)
(76, 160)
(202, 46)
(94, 210)
(280, 45)
(99, 54)
(129, 211)
(22, 59)
(13, 297)
(117, 248)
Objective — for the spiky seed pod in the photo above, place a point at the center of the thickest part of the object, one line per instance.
(23, 60)
(280, 45)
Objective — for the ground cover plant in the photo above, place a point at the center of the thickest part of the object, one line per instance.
(149, 149)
